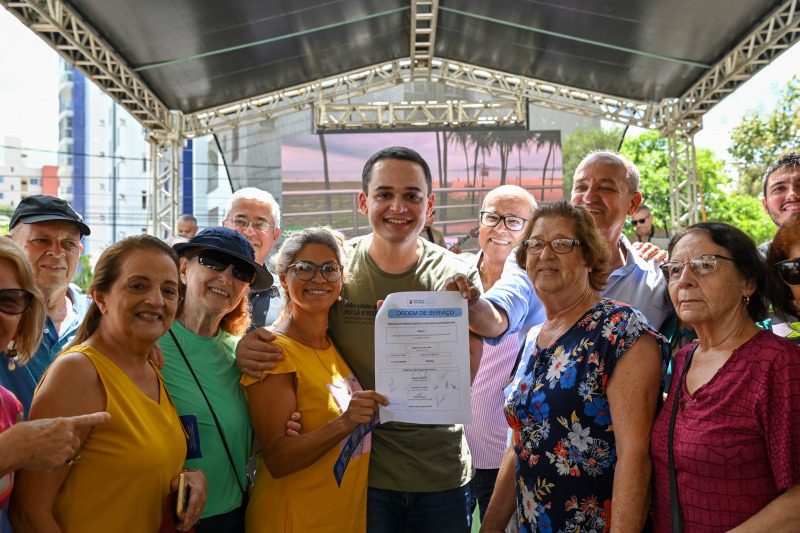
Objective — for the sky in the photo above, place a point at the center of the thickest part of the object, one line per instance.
(29, 94)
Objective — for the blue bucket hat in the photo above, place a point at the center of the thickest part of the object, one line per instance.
(231, 243)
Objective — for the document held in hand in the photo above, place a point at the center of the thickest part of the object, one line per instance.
(422, 358)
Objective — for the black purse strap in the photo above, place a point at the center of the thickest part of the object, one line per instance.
(674, 503)
(211, 410)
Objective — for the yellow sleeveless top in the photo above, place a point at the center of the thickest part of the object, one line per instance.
(126, 464)
(310, 500)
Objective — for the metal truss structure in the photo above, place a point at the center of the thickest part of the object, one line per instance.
(683, 184)
(509, 113)
(678, 119)
(772, 36)
(165, 153)
(499, 86)
(81, 45)
(424, 14)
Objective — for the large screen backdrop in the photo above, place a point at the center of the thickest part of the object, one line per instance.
(321, 174)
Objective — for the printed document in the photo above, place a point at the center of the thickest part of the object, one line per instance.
(422, 358)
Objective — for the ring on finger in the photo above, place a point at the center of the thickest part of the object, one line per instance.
(73, 460)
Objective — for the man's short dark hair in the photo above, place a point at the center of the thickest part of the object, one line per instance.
(396, 152)
(790, 160)
(188, 218)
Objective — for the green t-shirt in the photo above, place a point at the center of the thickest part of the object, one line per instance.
(214, 362)
(405, 457)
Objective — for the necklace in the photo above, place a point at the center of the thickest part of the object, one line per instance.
(293, 332)
(11, 352)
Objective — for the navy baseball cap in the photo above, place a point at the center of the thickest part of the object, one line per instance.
(231, 243)
(43, 208)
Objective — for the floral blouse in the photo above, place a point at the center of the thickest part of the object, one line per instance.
(559, 413)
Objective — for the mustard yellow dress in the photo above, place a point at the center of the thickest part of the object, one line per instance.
(310, 500)
(126, 464)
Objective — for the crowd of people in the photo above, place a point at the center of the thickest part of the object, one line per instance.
(245, 389)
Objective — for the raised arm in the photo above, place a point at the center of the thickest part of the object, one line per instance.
(284, 454)
(632, 398)
(484, 318)
(71, 387)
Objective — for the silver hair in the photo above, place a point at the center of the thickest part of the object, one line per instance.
(296, 241)
(631, 172)
(260, 195)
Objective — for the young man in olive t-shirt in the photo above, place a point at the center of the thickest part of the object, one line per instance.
(419, 474)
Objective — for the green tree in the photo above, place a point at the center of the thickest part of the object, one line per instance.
(85, 276)
(579, 143)
(759, 139)
(746, 213)
(649, 153)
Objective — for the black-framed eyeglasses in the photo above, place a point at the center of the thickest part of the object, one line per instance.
(637, 221)
(242, 223)
(789, 271)
(702, 265)
(559, 246)
(14, 301)
(512, 223)
(306, 270)
(219, 261)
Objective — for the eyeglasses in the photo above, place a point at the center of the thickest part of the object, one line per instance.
(219, 261)
(512, 223)
(637, 221)
(559, 246)
(306, 270)
(243, 222)
(702, 265)
(14, 301)
(789, 271)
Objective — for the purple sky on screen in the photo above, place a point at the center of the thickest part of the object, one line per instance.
(301, 156)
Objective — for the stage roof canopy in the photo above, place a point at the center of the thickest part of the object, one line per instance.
(195, 56)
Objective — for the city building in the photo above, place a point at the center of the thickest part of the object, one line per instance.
(104, 167)
(17, 179)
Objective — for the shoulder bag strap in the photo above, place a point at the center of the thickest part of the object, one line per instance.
(674, 503)
(211, 409)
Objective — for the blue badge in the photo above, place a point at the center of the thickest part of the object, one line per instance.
(193, 450)
(349, 448)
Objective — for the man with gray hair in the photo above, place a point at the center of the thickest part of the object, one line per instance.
(606, 184)
(505, 212)
(257, 216)
(49, 232)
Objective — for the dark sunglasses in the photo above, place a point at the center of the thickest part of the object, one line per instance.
(219, 261)
(14, 301)
(637, 221)
(789, 271)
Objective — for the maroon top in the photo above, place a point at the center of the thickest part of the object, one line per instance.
(737, 438)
